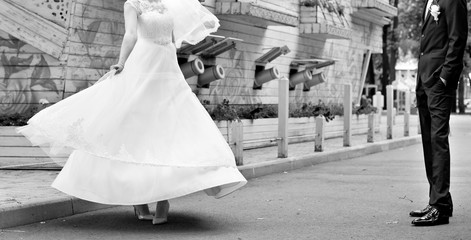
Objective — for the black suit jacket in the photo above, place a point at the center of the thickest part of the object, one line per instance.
(443, 43)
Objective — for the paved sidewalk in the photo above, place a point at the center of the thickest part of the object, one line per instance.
(363, 198)
(26, 196)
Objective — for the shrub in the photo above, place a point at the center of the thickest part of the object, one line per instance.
(258, 111)
(311, 110)
(227, 112)
(365, 110)
(222, 111)
(17, 119)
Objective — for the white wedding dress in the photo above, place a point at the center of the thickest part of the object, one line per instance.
(141, 136)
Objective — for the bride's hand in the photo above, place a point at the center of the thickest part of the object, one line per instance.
(118, 67)
(210, 24)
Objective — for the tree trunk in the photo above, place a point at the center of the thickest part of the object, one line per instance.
(385, 77)
(394, 52)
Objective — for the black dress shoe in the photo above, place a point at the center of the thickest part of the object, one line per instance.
(420, 213)
(432, 218)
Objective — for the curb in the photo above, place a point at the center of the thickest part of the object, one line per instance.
(291, 163)
(67, 206)
(46, 209)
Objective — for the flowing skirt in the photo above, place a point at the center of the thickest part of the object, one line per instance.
(139, 136)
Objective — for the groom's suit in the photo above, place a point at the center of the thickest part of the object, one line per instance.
(442, 46)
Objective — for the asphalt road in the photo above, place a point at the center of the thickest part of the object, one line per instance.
(360, 198)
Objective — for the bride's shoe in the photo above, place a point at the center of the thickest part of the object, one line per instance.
(142, 212)
(161, 212)
(213, 191)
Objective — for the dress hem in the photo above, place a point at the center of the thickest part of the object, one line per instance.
(111, 182)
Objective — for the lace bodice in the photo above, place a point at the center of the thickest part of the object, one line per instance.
(154, 21)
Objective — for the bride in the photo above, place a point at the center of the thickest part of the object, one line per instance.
(140, 135)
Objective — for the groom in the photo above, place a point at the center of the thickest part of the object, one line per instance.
(442, 45)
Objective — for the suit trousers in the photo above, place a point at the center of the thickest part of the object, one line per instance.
(434, 104)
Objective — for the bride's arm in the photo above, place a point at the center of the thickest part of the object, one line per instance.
(130, 36)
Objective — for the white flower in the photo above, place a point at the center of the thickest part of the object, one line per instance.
(435, 11)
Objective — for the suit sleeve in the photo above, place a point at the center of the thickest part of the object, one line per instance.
(457, 22)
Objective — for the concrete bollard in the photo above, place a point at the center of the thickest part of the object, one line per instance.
(347, 115)
(237, 141)
(378, 102)
(371, 128)
(407, 114)
(390, 109)
(283, 115)
(394, 114)
(319, 139)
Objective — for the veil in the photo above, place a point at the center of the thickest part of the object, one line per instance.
(192, 21)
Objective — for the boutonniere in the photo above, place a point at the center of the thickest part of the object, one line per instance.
(435, 11)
